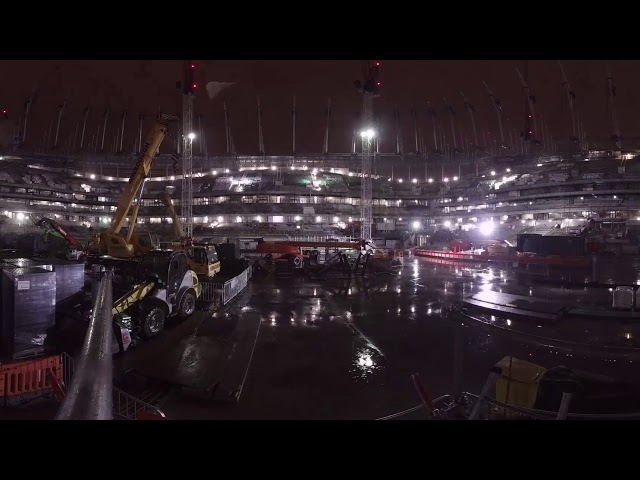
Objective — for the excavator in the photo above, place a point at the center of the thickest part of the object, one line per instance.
(112, 242)
(202, 259)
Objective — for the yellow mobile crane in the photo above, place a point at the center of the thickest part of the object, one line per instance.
(202, 259)
(111, 242)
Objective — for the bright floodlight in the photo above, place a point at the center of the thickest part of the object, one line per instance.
(445, 179)
(273, 167)
(191, 136)
(486, 228)
(368, 133)
(493, 172)
(447, 224)
(20, 216)
(431, 180)
(455, 179)
(416, 225)
(415, 180)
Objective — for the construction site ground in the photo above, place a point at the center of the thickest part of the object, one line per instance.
(339, 348)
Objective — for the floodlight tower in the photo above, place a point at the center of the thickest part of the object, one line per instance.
(188, 89)
(369, 87)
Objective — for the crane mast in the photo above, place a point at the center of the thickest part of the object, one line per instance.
(497, 105)
(369, 87)
(453, 122)
(612, 90)
(188, 89)
(571, 96)
(434, 122)
(530, 101)
(471, 109)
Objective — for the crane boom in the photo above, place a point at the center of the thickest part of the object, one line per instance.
(434, 122)
(571, 96)
(52, 225)
(530, 99)
(140, 172)
(498, 107)
(171, 211)
(612, 90)
(453, 122)
(471, 109)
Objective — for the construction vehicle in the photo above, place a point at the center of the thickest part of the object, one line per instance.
(76, 250)
(111, 242)
(202, 259)
(167, 287)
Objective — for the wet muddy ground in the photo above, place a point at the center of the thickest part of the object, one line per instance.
(345, 349)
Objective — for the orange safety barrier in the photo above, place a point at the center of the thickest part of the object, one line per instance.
(30, 376)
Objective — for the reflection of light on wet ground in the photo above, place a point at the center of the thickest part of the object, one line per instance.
(485, 279)
(364, 363)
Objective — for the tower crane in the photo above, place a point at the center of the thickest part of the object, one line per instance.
(188, 90)
(472, 110)
(453, 122)
(571, 97)
(434, 122)
(369, 87)
(497, 105)
(530, 99)
(612, 91)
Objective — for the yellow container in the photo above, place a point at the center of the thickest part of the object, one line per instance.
(518, 383)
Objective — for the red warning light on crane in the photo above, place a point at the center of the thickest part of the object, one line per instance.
(379, 83)
(195, 85)
(377, 64)
(530, 132)
(193, 65)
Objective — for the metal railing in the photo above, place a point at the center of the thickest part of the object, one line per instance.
(125, 405)
(90, 394)
(225, 292)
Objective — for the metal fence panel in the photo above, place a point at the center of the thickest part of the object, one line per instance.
(225, 292)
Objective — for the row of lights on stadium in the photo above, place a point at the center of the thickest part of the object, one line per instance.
(315, 170)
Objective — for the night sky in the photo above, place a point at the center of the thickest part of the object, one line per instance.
(148, 85)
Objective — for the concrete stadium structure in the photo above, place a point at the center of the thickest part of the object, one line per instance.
(320, 195)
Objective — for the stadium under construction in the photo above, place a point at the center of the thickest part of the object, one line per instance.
(356, 285)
